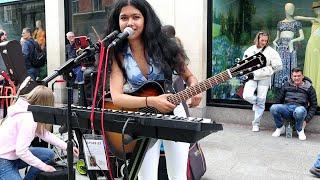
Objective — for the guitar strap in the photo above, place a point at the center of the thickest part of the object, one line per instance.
(167, 71)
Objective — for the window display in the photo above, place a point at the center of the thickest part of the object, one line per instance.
(232, 26)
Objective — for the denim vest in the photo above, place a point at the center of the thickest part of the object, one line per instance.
(135, 78)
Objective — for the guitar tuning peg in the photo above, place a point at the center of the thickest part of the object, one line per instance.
(237, 60)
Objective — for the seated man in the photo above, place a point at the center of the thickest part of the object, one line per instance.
(299, 102)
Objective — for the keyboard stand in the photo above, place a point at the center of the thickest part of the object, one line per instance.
(137, 158)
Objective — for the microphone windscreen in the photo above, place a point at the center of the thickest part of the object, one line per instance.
(129, 30)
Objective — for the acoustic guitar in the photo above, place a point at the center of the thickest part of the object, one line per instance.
(152, 88)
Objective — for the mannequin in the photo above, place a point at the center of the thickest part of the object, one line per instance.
(286, 31)
(40, 35)
(312, 56)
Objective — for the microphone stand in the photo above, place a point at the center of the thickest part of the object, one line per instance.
(70, 81)
(65, 70)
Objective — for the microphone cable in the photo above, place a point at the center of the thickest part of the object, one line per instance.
(125, 173)
(105, 73)
(86, 143)
(92, 114)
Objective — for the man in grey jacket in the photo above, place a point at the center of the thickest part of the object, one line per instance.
(260, 80)
(299, 102)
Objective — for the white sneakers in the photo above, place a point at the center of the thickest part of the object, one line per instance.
(301, 135)
(279, 131)
(282, 130)
(255, 128)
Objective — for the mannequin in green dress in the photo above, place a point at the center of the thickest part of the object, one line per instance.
(312, 56)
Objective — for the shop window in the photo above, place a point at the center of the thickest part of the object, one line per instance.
(90, 18)
(7, 15)
(75, 6)
(97, 5)
(233, 25)
(15, 16)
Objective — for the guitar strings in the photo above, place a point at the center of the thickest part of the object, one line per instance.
(206, 84)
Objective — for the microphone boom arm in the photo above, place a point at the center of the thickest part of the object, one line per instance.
(71, 63)
(68, 66)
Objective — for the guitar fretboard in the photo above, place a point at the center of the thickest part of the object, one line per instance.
(199, 88)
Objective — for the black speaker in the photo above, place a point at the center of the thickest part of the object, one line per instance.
(60, 174)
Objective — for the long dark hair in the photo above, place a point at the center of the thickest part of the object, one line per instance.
(158, 46)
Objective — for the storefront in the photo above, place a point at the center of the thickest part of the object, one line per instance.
(232, 29)
(88, 17)
(16, 15)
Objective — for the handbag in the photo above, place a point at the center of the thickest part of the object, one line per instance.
(240, 91)
(196, 163)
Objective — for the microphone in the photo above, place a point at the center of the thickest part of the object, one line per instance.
(127, 32)
(111, 36)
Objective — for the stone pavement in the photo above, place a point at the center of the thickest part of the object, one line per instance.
(238, 153)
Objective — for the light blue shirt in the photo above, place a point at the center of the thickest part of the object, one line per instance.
(135, 77)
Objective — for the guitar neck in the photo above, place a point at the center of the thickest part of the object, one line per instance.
(199, 88)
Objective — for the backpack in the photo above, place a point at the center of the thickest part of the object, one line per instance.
(38, 57)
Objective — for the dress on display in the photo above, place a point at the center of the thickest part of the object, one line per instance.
(40, 36)
(289, 59)
(312, 58)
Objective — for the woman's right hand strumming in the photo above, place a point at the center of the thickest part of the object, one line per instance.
(161, 103)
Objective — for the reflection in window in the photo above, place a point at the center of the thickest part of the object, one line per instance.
(7, 15)
(91, 15)
(13, 18)
(97, 6)
(75, 6)
(20, 14)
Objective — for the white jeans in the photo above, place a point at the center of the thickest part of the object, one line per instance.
(176, 157)
(258, 100)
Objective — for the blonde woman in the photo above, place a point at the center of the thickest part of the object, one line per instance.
(259, 81)
(18, 130)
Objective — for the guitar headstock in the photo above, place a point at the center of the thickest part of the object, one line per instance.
(248, 65)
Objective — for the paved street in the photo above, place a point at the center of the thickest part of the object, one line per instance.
(238, 153)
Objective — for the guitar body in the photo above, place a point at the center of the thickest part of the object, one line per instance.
(150, 88)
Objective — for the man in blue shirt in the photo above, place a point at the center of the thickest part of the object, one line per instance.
(28, 48)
